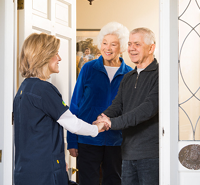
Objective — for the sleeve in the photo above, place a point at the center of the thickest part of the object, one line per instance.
(52, 102)
(72, 139)
(77, 126)
(142, 113)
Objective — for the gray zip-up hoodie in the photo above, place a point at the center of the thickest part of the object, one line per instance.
(135, 111)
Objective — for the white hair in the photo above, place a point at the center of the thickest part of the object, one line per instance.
(149, 37)
(114, 28)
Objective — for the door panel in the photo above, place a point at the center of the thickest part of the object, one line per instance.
(188, 176)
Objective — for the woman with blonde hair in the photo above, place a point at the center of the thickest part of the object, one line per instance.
(40, 115)
(96, 87)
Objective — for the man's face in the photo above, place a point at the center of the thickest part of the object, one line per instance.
(87, 52)
(138, 50)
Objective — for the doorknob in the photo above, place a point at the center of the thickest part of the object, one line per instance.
(74, 170)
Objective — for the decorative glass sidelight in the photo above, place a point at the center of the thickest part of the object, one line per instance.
(189, 70)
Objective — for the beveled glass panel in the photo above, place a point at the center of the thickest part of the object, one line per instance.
(189, 70)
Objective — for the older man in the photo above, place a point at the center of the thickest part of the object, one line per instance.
(135, 111)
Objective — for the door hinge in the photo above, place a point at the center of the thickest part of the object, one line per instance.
(20, 4)
(163, 132)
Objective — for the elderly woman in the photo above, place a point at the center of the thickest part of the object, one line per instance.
(96, 87)
(40, 115)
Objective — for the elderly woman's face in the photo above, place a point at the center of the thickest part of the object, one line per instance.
(110, 47)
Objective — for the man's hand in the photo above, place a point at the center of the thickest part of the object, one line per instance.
(73, 152)
(105, 119)
(103, 122)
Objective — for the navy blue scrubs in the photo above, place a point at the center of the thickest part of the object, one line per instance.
(39, 143)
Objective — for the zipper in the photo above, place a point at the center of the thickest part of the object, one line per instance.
(136, 81)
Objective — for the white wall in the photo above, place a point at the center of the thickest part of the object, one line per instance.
(130, 13)
(6, 93)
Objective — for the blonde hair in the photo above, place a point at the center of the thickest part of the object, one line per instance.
(149, 37)
(37, 50)
(114, 28)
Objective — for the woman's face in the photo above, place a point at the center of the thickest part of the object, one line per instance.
(53, 64)
(110, 48)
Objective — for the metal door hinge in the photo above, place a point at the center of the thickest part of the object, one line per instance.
(163, 132)
(20, 4)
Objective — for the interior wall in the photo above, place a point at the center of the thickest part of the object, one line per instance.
(132, 14)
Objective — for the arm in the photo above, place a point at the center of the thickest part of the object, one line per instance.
(77, 126)
(140, 114)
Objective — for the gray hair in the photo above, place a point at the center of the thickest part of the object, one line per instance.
(114, 28)
(149, 37)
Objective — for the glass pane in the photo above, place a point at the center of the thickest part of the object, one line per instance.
(189, 70)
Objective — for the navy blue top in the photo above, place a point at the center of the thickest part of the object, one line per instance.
(39, 144)
(92, 95)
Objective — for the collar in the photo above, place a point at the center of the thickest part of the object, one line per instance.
(151, 67)
(98, 65)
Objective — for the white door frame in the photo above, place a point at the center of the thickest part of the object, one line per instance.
(168, 92)
(6, 93)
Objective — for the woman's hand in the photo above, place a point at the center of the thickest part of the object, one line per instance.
(102, 125)
(66, 167)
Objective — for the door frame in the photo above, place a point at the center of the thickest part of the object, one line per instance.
(7, 37)
(168, 93)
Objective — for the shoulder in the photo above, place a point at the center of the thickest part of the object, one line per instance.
(43, 88)
(125, 67)
(89, 65)
(128, 68)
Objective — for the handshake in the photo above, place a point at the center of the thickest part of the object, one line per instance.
(103, 123)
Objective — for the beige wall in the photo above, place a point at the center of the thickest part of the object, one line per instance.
(130, 13)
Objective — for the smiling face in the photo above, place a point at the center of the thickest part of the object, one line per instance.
(53, 64)
(110, 48)
(139, 52)
(87, 52)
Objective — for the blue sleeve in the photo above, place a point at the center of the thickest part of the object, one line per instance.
(72, 139)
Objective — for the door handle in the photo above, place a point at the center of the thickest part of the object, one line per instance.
(74, 170)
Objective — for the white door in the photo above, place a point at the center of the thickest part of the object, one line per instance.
(55, 17)
(179, 92)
